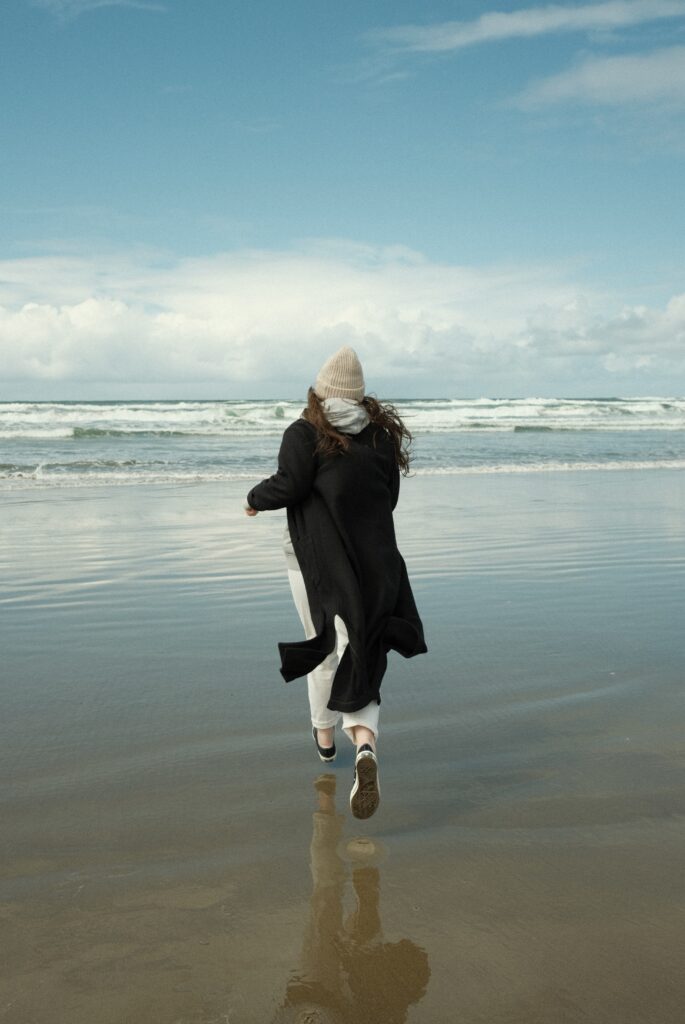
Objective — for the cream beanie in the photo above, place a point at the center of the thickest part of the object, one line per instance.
(341, 376)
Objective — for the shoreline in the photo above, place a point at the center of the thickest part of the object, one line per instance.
(12, 485)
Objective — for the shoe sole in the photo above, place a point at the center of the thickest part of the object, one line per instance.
(366, 794)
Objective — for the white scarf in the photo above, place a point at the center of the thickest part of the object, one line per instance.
(346, 415)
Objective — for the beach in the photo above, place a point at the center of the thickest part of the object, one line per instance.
(167, 855)
(449, 237)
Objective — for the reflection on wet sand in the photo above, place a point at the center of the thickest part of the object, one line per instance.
(347, 972)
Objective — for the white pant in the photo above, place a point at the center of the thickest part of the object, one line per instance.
(319, 681)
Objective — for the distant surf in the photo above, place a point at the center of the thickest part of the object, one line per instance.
(230, 418)
(44, 444)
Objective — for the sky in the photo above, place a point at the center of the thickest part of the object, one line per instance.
(203, 198)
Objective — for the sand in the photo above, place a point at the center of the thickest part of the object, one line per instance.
(167, 855)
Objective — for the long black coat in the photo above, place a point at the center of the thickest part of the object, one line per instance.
(341, 526)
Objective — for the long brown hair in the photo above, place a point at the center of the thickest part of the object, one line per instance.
(384, 415)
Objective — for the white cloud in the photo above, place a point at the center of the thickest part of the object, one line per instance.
(635, 78)
(636, 338)
(72, 8)
(534, 21)
(251, 317)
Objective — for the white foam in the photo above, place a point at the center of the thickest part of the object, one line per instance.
(41, 477)
(249, 418)
(551, 467)
(36, 420)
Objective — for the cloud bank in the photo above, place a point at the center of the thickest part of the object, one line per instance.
(496, 26)
(252, 322)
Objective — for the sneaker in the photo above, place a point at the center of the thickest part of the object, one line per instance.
(366, 792)
(326, 754)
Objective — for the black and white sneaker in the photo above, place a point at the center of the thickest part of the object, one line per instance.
(366, 791)
(326, 754)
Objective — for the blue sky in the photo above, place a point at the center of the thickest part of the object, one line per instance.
(204, 198)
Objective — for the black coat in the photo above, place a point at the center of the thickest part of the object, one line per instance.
(341, 526)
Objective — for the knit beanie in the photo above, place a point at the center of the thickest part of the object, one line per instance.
(341, 376)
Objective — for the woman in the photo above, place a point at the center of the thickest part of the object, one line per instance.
(338, 477)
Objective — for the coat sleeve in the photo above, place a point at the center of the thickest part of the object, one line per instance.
(294, 478)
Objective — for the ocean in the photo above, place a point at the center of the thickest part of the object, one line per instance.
(47, 444)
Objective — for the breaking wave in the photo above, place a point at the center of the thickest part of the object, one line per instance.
(36, 420)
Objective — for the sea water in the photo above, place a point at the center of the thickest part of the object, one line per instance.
(46, 444)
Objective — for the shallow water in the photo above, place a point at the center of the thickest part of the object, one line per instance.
(166, 855)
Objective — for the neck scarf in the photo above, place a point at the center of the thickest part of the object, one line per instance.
(346, 415)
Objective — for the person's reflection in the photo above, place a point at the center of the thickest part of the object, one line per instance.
(347, 972)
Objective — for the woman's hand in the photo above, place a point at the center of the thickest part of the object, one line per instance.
(250, 511)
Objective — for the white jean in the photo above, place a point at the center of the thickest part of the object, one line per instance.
(319, 681)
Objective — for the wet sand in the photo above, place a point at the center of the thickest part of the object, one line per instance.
(167, 855)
